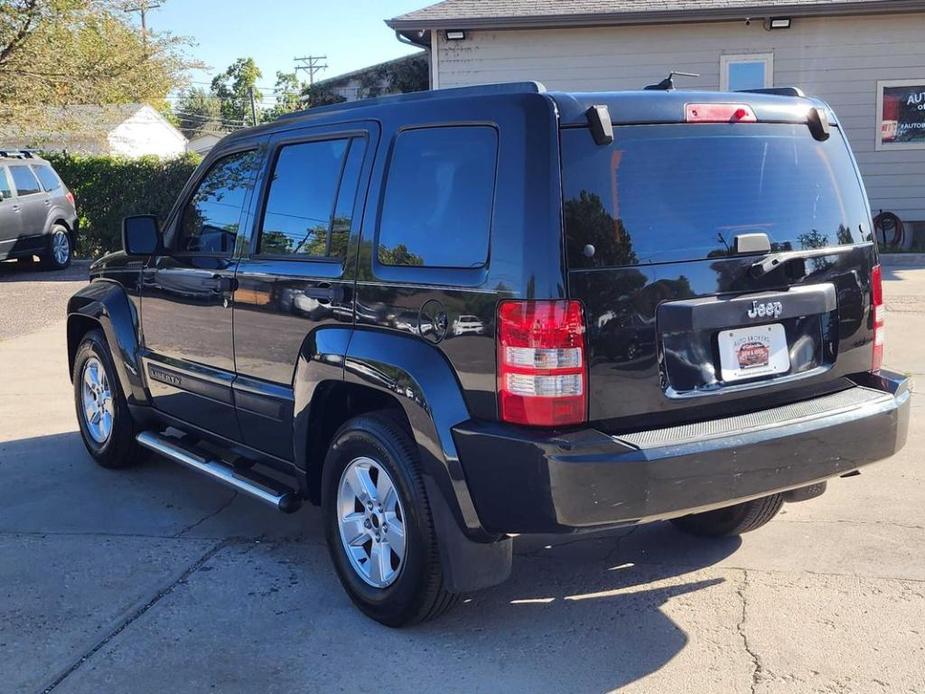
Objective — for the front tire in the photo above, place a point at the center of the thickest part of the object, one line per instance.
(378, 524)
(106, 425)
(732, 520)
(57, 255)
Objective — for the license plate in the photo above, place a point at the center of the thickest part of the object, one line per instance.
(752, 352)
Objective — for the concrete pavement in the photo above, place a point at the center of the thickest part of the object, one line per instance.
(153, 579)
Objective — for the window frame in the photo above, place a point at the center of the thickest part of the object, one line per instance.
(175, 221)
(436, 274)
(880, 145)
(40, 191)
(9, 183)
(728, 59)
(276, 147)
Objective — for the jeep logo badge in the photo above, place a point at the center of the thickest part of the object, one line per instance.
(770, 309)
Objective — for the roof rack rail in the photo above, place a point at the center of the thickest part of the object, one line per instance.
(17, 153)
(776, 91)
(475, 90)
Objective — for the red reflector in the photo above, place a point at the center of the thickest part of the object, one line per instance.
(70, 197)
(877, 314)
(542, 379)
(719, 113)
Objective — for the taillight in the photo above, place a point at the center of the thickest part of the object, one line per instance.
(877, 312)
(719, 113)
(70, 198)
(541, 363)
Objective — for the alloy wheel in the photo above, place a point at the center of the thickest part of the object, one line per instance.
(96, 398)
(371, 522)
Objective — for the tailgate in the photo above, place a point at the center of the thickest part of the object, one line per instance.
(681, 327)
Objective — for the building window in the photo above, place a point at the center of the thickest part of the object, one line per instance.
(901, 114)
(749, 71)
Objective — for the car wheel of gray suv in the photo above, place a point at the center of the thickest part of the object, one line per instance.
(378, 523)
(732, 520)
(57, 255)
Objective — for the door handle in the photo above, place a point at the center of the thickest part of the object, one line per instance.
(224, 284)
(324, 293)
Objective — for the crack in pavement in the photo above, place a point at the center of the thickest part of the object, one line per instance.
(190, 570)
(212, 514)
(851, 521)
(758, 669)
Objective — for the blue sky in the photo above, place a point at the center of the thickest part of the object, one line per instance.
(273, 32)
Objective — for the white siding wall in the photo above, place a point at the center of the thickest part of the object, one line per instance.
(837, 59)
(147, 132)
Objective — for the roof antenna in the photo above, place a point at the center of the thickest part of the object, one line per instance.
(668, 82)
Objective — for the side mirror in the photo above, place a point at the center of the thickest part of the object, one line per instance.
(141, 235)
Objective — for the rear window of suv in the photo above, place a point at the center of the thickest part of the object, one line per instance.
(47, 176)
(665, 193)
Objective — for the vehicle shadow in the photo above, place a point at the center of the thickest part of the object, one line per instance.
(580, 612)
(23, 270)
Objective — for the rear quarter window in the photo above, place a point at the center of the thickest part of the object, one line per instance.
(665, 193)
(438, 200)
(48, 178)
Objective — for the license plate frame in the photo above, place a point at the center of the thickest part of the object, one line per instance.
(753, 352)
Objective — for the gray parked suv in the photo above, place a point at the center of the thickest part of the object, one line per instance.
(37, 213)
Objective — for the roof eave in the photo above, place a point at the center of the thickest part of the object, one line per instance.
(408, 26)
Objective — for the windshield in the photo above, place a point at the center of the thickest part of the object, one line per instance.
(663, 193)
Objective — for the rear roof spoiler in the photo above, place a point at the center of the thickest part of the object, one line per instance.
(775, 91)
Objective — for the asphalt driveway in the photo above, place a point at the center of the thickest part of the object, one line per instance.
(153, 579)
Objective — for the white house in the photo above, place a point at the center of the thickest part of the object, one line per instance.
(130, 130)
(203, 144)
(865, 57)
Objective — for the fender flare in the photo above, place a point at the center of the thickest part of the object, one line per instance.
(413, 373)
(419, 376)
(106, 303)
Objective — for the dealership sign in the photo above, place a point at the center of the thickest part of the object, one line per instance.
(901, 114)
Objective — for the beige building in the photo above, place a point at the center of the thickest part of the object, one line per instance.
(865, 57)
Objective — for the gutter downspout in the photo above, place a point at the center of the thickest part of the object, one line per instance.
(432, 50)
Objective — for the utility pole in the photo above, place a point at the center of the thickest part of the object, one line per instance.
(142, 8)
(311, 64)
(253, 106)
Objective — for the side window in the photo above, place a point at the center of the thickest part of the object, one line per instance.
(310, 201)
(25, 181)
(48, 178)
(438, 198)
(5, 191)
(210, 220)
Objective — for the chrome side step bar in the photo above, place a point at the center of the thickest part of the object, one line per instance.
(261, 487)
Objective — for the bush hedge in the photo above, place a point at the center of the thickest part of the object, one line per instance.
(108, 188)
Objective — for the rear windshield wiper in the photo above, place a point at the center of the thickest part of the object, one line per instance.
(793, 259)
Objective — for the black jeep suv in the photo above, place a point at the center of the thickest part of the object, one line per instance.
(672, 307)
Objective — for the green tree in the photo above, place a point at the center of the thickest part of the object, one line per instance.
(198, 112)
(288, 93)
(61, 52)
(234, 87)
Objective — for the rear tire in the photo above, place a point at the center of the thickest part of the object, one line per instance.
(411, 587)
(732, 520)
(57, 254)
(106, 425)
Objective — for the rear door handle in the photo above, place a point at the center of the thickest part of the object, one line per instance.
(224, 284)
(324, 293)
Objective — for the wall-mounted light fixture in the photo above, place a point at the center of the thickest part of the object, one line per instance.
(777, 23)
(455, 35)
